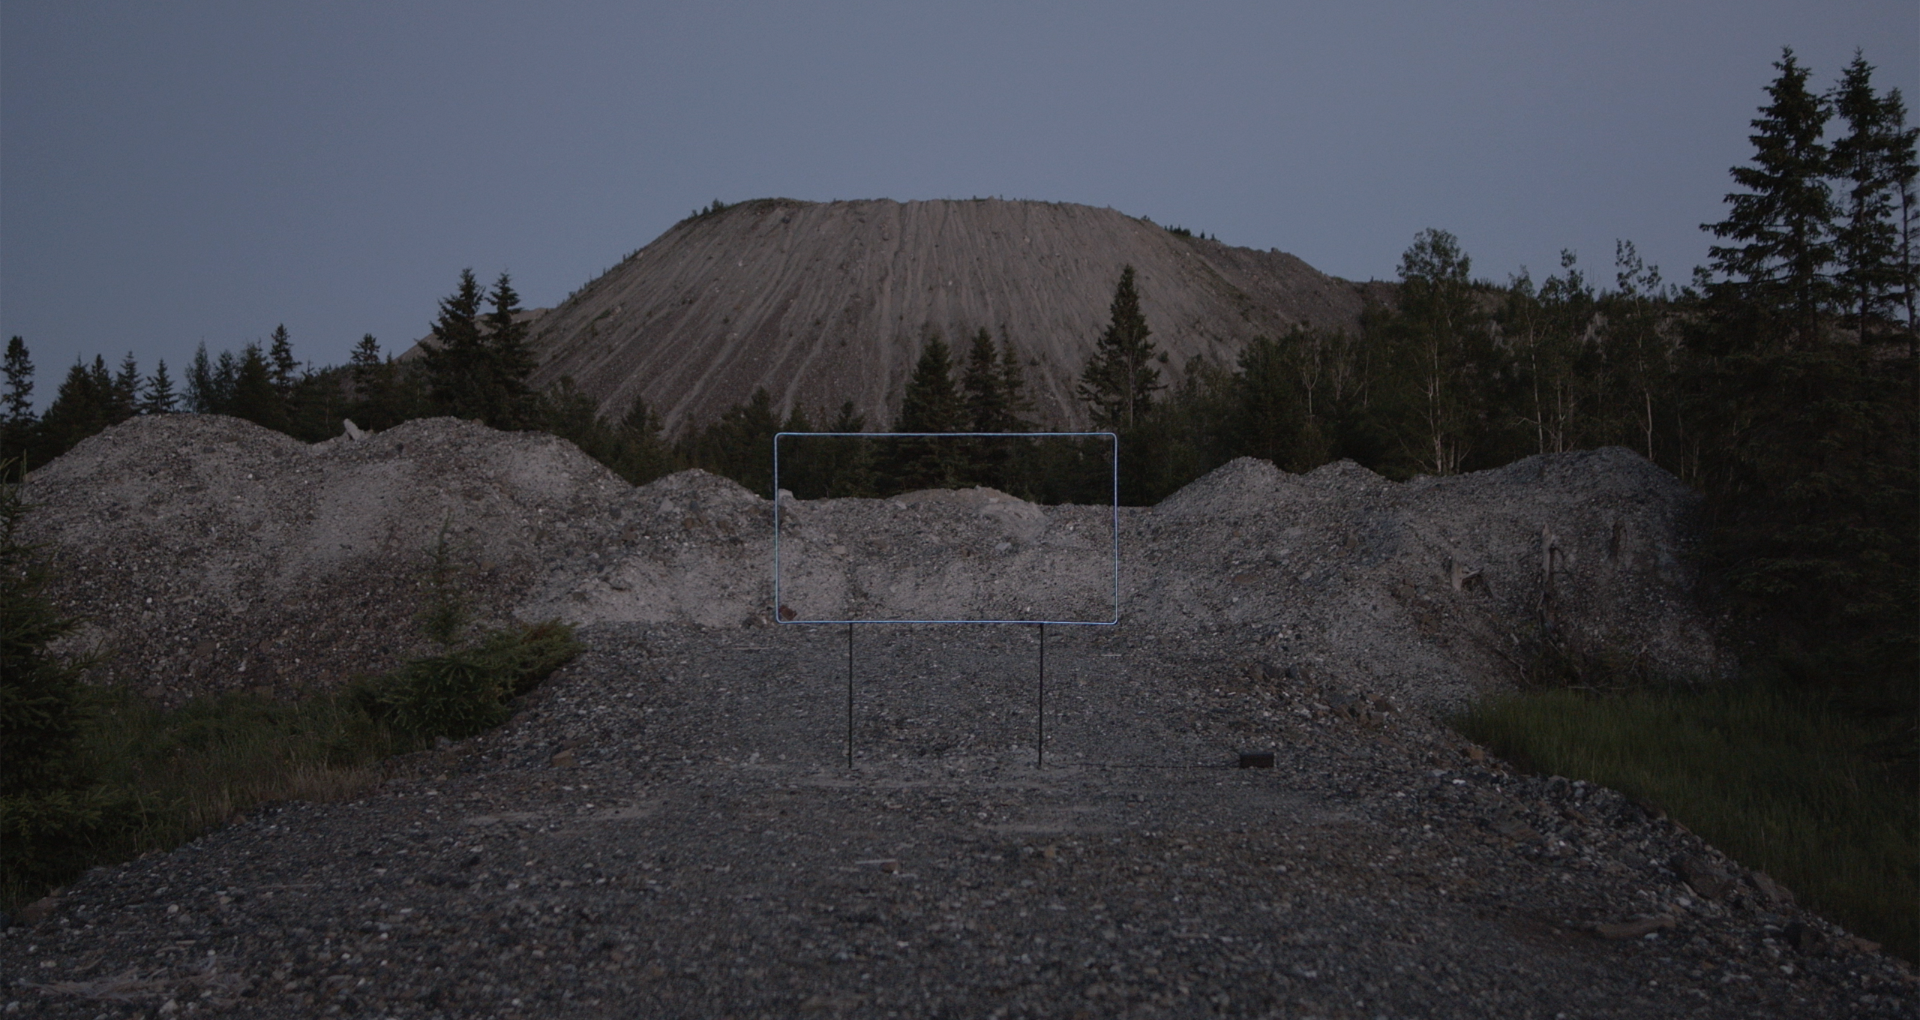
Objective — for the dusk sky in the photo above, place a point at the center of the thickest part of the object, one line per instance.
(185, 172)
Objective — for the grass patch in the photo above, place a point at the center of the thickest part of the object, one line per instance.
(1773, 778)
(160, 777)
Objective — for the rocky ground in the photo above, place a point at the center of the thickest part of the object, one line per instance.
(671, 828)
(671, 825)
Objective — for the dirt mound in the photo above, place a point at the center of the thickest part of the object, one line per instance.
(825, 302)
(208, 553)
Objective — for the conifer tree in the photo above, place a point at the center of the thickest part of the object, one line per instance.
(254, 397)
(282, 370)
(125, 400)
(1869, 162)
(1120, 377)
(17, 420)
(456, 362)
(158, 396)
(510, 362)
(1776, 272)
(200, 397)
(82, 407)
(930, 405)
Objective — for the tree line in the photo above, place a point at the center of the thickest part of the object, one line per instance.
(1781, 383)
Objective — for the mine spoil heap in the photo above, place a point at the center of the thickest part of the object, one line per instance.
(826, 302)
(669, 826)
(205, 552)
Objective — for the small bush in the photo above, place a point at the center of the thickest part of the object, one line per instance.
(465, 691)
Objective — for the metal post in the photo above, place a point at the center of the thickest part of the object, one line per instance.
(849, 695)
(1040, 742)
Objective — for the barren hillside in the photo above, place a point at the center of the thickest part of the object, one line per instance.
(824, 302)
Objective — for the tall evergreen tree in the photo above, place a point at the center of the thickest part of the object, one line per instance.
(158, 396)
(457, 364)
(1268, 416)
(1121, 376)
(282, 370)
(1869, 162)
(17, 420)
(254, 397)
(510, 361)
(82, 407)
(931, 404)
(1776, 274)
(125, 400)
(200, 396)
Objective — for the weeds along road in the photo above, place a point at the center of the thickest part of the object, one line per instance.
(670, 828)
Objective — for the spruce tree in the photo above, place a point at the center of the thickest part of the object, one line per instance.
(158, 396)
(200, 396)
(17, 420)
(282, 370)
(1120, 377)
(1777, 271)
(83, 406)
(510, 362)
(125, 400)
(254, 397)
(457, 362)
(929, 405)
(1869, 162)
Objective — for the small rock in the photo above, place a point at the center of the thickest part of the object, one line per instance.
(1776, 895)
(39, 910)
(352, 431)
(1705, 879)
(1809, 940)
(1634, 929)
(563, 760)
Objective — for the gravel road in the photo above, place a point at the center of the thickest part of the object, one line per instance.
(670, 828)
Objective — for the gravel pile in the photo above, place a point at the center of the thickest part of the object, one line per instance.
(671, 825)
(207, 553)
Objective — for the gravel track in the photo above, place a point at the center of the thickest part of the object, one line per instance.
(670, 828)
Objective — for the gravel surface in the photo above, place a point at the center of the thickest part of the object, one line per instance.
(670, 828)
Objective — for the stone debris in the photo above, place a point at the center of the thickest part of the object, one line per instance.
(670, 826)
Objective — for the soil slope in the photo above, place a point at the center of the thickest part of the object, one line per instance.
(825, 302)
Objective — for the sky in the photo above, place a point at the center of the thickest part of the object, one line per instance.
(198, 172)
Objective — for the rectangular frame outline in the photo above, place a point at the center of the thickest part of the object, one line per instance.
(1112, 438)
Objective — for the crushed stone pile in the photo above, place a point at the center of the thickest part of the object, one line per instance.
(206, 553)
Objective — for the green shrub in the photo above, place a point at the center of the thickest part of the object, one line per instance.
(465, 691)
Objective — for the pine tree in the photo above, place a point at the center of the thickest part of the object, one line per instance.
(158, 397)
(1268, 416)
(254, 397)
(226, 382)
(930, 405)
(200, 396)
(17, 420)
(82, 407)
(456, 362)
(1777, 272)
(125, 400)
(1120, 377)
(510, 362)
(282, 370)
(1869, 162)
